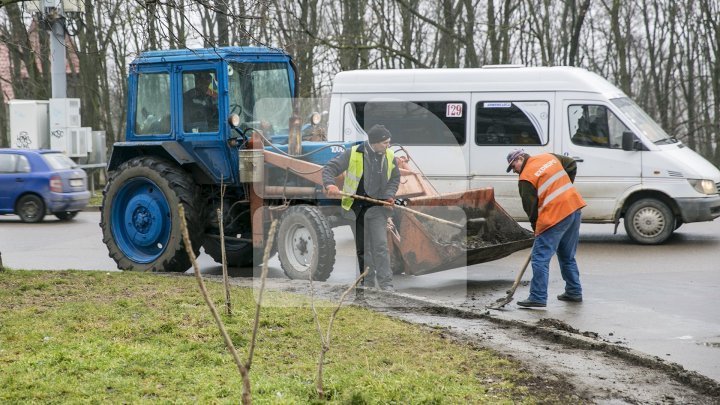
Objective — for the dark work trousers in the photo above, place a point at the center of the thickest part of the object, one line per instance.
(371, 244)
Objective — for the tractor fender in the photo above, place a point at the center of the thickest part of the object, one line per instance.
(170, 150)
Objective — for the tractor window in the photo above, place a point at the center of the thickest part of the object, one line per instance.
(260, 94)
(410, 122)
(152, 111)
(511, 122)
(200, 101)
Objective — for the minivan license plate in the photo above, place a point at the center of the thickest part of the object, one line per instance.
(76, 182)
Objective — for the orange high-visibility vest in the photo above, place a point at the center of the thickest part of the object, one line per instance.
(557, 197)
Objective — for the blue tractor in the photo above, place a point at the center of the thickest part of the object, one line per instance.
(219, 127)
(190, 112)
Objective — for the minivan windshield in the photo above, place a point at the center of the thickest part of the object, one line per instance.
(58, 161)
(647, 126)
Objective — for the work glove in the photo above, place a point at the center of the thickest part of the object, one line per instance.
(332, 191)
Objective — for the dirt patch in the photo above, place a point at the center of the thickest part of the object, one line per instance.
(560, 325)
(556, 324)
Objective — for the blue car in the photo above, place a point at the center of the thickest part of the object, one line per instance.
(35, 182)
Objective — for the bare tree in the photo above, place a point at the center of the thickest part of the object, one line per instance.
(710, 10)
(621, 43)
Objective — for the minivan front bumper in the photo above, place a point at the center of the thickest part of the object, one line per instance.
(699, 209)
(68, 201)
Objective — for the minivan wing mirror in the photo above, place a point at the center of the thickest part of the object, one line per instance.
(630, 142)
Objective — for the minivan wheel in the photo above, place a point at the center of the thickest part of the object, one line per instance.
(649, 221)
(30, 208)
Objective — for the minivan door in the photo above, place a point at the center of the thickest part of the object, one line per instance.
(592, 135)
(503, 122)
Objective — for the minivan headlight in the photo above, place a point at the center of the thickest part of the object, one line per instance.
(704, 186)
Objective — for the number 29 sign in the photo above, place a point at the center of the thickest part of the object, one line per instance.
(454, 110)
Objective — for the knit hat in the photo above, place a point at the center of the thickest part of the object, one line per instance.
(378, 133)
(514, 154)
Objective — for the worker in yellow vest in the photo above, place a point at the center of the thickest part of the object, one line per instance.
(370, 170)
(553, 206)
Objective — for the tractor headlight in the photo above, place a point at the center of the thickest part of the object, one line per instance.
(704, 186)
(234, 120)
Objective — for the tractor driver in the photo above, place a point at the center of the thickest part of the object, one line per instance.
(200, 110)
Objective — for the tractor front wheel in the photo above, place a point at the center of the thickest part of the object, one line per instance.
(306, 244)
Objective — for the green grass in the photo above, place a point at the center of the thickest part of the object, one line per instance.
(132, 337)
(96, 199)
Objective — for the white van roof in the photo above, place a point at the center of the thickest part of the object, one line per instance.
(489, 78)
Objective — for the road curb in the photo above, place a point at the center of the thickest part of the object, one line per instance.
(91, 208)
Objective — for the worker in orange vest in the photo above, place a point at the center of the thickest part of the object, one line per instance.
(553, 206)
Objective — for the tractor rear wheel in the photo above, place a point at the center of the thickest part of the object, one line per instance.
(238, 253)
(140, 218)
(306, 244)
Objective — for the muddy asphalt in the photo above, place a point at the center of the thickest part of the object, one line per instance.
(597, 349)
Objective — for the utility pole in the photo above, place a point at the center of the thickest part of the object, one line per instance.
(53, 12)
(58, 58)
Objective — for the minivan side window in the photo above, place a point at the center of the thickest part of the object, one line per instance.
(511, 122)
(595, 126)
(152, 111)
(441, 123)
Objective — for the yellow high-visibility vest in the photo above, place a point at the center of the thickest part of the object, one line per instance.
(355, 171)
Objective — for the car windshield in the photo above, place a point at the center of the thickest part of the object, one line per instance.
(58, 161)
(647, 126)
(260, 93)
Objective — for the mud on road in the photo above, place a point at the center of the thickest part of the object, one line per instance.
(562, 358)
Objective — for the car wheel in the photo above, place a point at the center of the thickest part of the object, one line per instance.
(30, 208)
(65, 215)
(649, 221)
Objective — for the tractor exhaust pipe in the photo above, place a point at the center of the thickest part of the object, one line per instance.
(294, 133)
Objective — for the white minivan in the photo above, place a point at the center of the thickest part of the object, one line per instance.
(459, 125)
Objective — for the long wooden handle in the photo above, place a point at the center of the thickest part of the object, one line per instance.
(418, 213)
(514, 287)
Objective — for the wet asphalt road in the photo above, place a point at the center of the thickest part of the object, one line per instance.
(661, 300)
